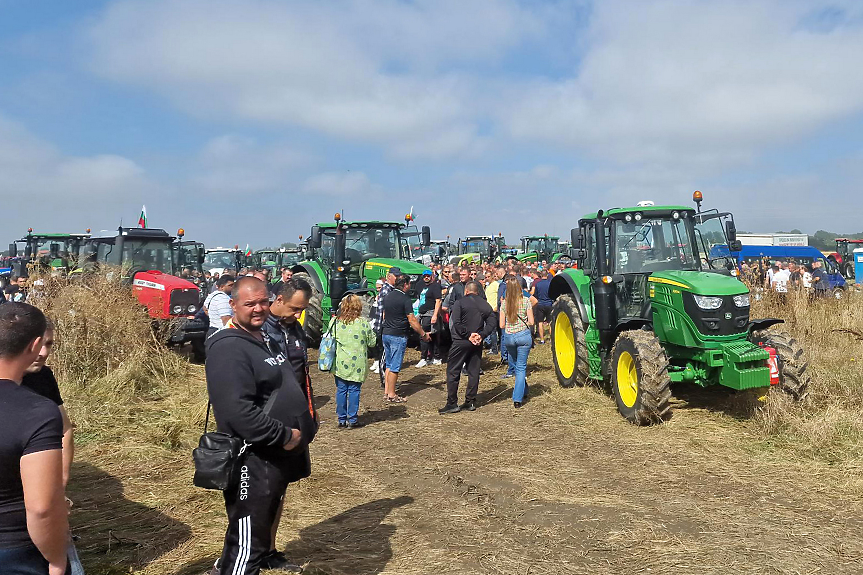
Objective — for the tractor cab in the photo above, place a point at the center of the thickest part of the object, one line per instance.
(479, 249)
(189, 262)
(541, 248)
(221, 260)
(54, 252)
(843, 258)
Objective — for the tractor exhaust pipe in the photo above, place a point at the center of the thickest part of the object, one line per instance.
(603, 287)
(338, 281)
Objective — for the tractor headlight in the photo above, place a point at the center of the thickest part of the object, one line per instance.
(192, 309)
(707, 302)
(177, 309)
(741, 300)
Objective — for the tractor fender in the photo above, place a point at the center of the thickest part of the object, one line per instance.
(563, 284)
(764, 323)
(632, 323)
(313, 271)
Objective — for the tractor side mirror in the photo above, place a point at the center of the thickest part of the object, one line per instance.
(735, 246)
(13, 250)
(731, 232)
(28, 250)
(426, 236)
(315, 237)
(576, 238)
(55, 251)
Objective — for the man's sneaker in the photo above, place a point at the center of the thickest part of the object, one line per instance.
(215, 569)
(276, 560)
(449, 409)
(422, 363)
(507, 375)
(436, 362)
(376, 367)
(468, 406)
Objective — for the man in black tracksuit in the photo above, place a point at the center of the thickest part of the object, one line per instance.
(472, 320)
(245, 378)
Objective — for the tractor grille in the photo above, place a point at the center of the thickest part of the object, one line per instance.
(185, 298)
(727, 320)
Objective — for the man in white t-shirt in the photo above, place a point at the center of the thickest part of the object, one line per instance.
(780, 279)
(218, 304)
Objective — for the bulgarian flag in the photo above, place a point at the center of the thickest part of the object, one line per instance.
(142, 219)
(248, 251)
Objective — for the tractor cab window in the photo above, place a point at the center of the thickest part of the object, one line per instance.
(652, 245)
(475, 245)
(412, 243)
(710, 240)
(219, 260)
(148, 255)
(362, 244)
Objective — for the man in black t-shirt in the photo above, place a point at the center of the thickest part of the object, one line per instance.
(429, 311)
(398, 320)
(34, 529)
(40, 378)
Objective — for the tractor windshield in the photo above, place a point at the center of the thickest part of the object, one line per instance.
(148, 255)
(475, 245)
(363, 244)
(540, 245)
(214, 260)
(711, 242)
(653, 245)
(290, 259)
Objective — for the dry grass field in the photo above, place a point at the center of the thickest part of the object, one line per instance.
(563, 485)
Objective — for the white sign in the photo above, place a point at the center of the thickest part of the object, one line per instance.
(149, 284)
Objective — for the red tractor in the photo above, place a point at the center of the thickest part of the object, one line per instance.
(147, 258)
(843, 257)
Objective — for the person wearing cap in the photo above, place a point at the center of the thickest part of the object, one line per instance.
(384, 287)
(398, 320)
(428, 307)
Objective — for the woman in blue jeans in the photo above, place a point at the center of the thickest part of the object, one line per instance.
(516, 319)
(354, 336)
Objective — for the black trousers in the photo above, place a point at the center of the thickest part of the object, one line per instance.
(463, 353)
(429, 350)
(251, 507)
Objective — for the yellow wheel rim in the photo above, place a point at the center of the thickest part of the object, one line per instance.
(564, 345)
(627, 379)
(303, 318)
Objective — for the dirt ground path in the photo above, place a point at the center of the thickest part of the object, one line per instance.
(563, 485)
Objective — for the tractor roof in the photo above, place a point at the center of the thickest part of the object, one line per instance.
(31, 235)
(468, 238)
(850, 241)
(370, 225)
(540, 237)
(620, 211)
(134, 233)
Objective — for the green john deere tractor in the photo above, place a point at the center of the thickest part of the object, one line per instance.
(540, 248)
(349, 257)
(653, 305)
(479, 249)
(55, 252)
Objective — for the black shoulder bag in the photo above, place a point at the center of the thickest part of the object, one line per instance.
(219, 456)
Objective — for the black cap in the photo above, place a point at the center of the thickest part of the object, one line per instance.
(395, 271)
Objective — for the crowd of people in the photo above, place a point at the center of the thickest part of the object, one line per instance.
(785, 276)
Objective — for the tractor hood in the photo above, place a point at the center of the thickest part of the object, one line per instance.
(155, 279)
(701, 283)
(407, 267)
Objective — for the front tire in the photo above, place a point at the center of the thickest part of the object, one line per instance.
(639, 378)
(568, 347)
(792, 361)
(849, 271)
(313, 317)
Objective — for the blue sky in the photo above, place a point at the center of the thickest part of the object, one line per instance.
(246, 122)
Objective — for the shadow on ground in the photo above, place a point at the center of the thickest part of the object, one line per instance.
(117, 535)
(741, 405)
(356, 541)
(391, 413)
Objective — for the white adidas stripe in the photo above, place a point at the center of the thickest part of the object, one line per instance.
(245, 544)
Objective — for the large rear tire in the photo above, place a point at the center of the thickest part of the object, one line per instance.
(568, 347)
(313, 317)
(792, 361)
(849, 270)
(639, 378)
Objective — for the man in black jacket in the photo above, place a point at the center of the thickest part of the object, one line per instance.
(471, 320)
(255, 399)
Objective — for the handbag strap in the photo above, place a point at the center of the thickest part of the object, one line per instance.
(267, 407)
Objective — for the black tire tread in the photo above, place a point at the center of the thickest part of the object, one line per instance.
(654, 384)
(313, 325)
(793, 362)
(582, 366)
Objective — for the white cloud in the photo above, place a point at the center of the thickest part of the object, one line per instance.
(47, 189)
(709, 84)
(356, 69)
(354, 185)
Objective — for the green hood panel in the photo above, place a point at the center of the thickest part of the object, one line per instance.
(701, 283)
(407, 267)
